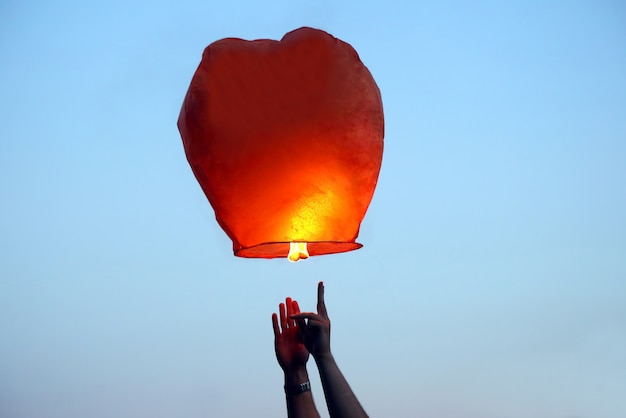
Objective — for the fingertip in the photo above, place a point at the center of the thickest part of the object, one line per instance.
(321, 304)
(320, 291)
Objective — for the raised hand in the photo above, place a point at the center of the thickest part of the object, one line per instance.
(290, 350)
(315, 327)
(292, 356)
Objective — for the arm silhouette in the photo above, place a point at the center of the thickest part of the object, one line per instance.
(315, 332)
(292, 357)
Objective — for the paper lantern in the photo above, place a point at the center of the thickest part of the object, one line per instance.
(286, 140)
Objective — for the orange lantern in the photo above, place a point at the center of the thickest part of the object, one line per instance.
(286, 140)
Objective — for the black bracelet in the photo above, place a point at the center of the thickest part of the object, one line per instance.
(298, 389)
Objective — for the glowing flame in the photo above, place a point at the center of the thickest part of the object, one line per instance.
(297, 251)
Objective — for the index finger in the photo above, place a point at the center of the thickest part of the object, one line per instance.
(321, 305)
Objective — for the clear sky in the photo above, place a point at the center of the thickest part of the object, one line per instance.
(492, 281)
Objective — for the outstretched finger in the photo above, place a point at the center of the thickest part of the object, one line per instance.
(275, 325)
(283, 318)
(296, 308)
(289, 308)
(321, 305)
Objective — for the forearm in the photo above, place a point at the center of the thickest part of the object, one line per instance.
(299, 405)
(341, 401)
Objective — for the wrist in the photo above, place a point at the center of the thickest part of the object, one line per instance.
(296, 376)
(294, 390)
(323, 357)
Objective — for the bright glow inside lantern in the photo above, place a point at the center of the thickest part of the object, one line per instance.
(286, 140)
(297, 251)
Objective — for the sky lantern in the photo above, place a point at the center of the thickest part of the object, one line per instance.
(286, 140)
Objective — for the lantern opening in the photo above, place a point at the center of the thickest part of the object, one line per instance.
(281, 249)
(297, 251)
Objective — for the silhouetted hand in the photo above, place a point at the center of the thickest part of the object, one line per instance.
(315, 327)
(290, 351)
(315, 333)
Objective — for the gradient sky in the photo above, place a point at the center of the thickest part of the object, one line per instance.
(492, 281)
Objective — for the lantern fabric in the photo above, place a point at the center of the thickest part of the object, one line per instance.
(286, 140)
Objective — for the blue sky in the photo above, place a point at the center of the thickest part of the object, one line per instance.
(492, 279)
